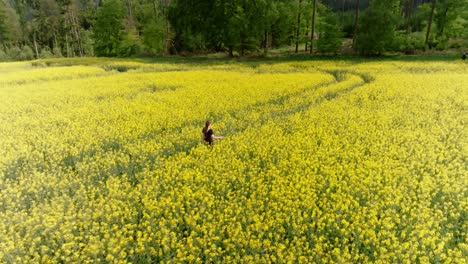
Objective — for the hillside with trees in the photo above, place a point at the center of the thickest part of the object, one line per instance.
(31, 29)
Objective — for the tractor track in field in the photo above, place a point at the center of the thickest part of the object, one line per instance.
(276, 111)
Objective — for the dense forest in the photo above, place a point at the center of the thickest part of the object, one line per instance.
(66, 28)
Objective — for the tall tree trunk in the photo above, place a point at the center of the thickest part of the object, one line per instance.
(129, 8)
(409, 16)
(35, 45)
(307, 37)
(314, 14)
(444, 21)
(75, 30)
(56, 46)
(265, 46)
(298, 25)
(155, 8)
(429, 24)
(163, 5)
(342, 12)
(78, 35)
(356, 24)
(67, 45)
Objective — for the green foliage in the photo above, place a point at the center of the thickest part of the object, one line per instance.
(26, 53)
(282, 25)
(57, 52)
(3, 56)
(235, 25)
(408, 43)
(4, 32)
(153, 37)
(87, 42)
(108, 29)
(458, 28)
(377, 27)
(129, 44)
(46, 53)
(330, 36)
(19, 54)
(346, 22)
(418, 21)
(153, 27)
(448, 19)
(14, 53)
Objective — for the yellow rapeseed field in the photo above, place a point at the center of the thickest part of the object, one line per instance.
(322, 162)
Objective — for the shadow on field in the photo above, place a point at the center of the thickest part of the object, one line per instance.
(205, 60)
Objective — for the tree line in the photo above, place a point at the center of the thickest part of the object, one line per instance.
(68, 28)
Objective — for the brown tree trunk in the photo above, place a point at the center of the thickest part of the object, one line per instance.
(314, 13)
(298, 26)
(409, 15)
(75, 30)
(155, 8)
(56, 46)
(67, 45)
(356, 24)
(429, 24)
(342, 11)
(35, 45)
(306, 38)
(163, 5)
(129, 8)
(78, 34)
(442, 26)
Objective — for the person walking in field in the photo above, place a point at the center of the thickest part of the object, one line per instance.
(208, 133)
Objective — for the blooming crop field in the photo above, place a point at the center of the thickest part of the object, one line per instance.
(322, 162)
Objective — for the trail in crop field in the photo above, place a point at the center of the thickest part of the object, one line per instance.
(322, 161)
(278, 110)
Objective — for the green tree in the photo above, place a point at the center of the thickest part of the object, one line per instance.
(4, 33)
(312, 35)
(330, 35)
(235, 25)
(282, 27)
(429, 23)
(129, 44)
(151, 25)
(356, 23)
(10, 30)
(448, 11)
(108, 28)
(298, 24)
(377, 27)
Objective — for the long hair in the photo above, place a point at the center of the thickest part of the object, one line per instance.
(207, 125)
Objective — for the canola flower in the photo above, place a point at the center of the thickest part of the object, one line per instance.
(323, 162)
